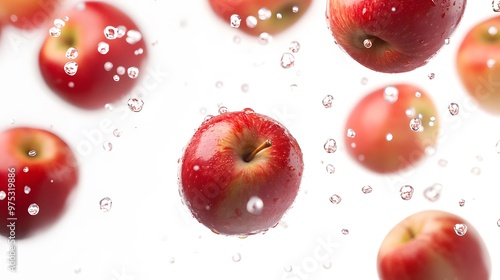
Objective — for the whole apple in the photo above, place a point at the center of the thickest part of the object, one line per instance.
(477, 65)
(392, 128)
(433, 245)
(38, 172)
(255, 17)
(240, 173)
(93, 58)
(29, 14)
(393, 36)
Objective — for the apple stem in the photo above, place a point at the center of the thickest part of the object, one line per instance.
(261, 147)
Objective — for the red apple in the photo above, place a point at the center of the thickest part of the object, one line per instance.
(259, 16)
(393, 36)
(426, 246)
(390, 128)
(38, 172)
(29, 14)
(111, 52)
(477, 64)
(240, 172)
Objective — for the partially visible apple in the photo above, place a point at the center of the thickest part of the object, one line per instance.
(240, 173)
(38, 173)
(478, 64)
(259, 16)
(110, 53)
(29, 14)
(426, 246)
(393, 36)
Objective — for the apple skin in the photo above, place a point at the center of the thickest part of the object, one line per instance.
(52, 177)
(273, 25)
(405, 34)
(478, 66)
(425, 246)
(92, 87)
(216, 183)
(29, 14)
(373, 117)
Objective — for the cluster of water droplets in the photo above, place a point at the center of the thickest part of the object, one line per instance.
(288, 58)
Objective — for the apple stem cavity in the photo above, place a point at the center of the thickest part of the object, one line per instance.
(261, 147)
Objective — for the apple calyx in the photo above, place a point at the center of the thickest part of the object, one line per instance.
(261, 147)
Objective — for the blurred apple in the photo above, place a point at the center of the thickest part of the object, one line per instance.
(260, 16)
(29, 14)
(433, 245)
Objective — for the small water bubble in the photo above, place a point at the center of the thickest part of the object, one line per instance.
(495, 4)
(327, 265)
(453, 108)
(107, 146)
(27, 189)
(235, 21)
(442, 162)
(288, 268)
(251, 21)
(108, 66)
(59, 23)
(294, 46)
(391, 94)
(492, 30)
(120, 70)
(498, 223)
(461, 202)
(367, 43)
(3, 195)
(72, 53)
(139, 51)
(171, 260)
(345, 231)
(264, 13)
(32, 153)
(279, 16)
(335, 199)
(103, 48)
(133, 72)
(236, 39)
(133, 36)
(433, 192)
(13, 121)
(110, 32)
(416, 124)
(120, 31)
(248, 111)
(71, 84)
(460, 229)
(33, 209)
(26, 169)
(71, 68)
(236, 257)
(410, 112)
(330, 146)
(135, 104)
(406, 192)
(245, 87)
(366, 189)
(351, 133)
(219, 84)
(105, 204)
(287, 60)
(223, 110)
(295, 9)
(476, 170)
(54, 32)
(364, 81)
(418, 94)
(389, 137)
(117, 132)
(255, 205)
(447, 41)
(330, 168)
(116, 78)
(327, 101)
(431, 76)
(490, 63)
(66, 18)
(265, 38)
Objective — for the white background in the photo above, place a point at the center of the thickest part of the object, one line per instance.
(149, 234)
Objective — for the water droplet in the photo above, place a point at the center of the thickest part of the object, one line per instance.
(490, 63)
(236, 39)
(133, 72)
(236, 257)
(219, 84)
(330, 145)
(492, 30)
(364, 81)
(117, 132)
(71, 84)
(108, 66)
(13, 121)
(460, 229)
(110, 32)
(351, 133)
(335, 199)
(294, 46)
(235, 21)
(406, 192)
(389, 137)
(495, 4)
(103, 48)
(461, 202)
(133, 36)
(328, 101)
(287, 60)
(107, 146)
(116, 78)
(171, 260)
(498, 222)
(72, 53)
(135, 105)
(105, 204)
(71, 68)
(447, 41)
(26, 169)
(33, 209)
(120, 70)
(433, 192)
(248, 111)
(418, 94)
(431, 76)
(366, 189)
(27, 189)
(222, 110)
(265, 38)
(59, 23)
(54, 32)
(453, 108)
(245, 87)
(251, 21)
(255, 205)
(120, 31)
(476, 171)
(367, 43)
(66, 18)
(264, 13)
(3, 195)
(330, 168)
(138, 51)
(416, 124)
(295, 9)
(345, 231)
(442, 162)
(288, 268)
(391, 94)
(32, 153)
(327, 265)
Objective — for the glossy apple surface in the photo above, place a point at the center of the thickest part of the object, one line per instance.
(393, 36)
(36, 167)
(426, 246)
(391, 128)
(478, 65)
(101, 76)
(271, 17)
(240, 173)
(29, 14)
